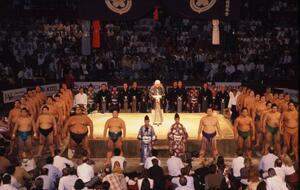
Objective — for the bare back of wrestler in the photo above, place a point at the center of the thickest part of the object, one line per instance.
(116, 130)
(289, 128)
(244, 131)
(24, 127)
(47, 128)
(77, 127)
(271, 129)
(208, 128)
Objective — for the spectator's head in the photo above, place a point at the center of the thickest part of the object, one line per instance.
(44, 171)
(271, 172)
(209, 111)
(287, 160)
(182, 181)
(212, 169)
(278, 163)
(117, 152)
(125, 85)
(239, 152)
(11, 170)
(79, 184)
(107, 170)
(154, 162)
(81, 90)
(49, 160)
(262, 185)
(175, 84)
(91, 87)
(185, 171)
(6, 179)
(253, 174)
(271, 150)
(220, 161)
(105, 185)
(39, 183)
(247, 162)
(154, 152)
(205, 85)
(179, 84)
(134, 84)
(65, 172)
(145, 184)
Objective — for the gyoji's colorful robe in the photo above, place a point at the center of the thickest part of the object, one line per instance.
(146, 136)
(177, 137)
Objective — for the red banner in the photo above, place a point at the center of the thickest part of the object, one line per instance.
(96, 33)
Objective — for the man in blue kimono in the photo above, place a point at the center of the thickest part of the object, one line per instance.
(146, 136)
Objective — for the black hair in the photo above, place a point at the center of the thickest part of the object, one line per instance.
(117, 152)
(79, 184)
(212, 169)
(271, 150)
(268, 102)
(274, 105)
(57, 151)
(105, 185)
(278, 163)
(45, 106)
(262, 185)
(49, 160)
(39, 183)
(6, 179)
(154, 162)
(44, 171)
(182, 180)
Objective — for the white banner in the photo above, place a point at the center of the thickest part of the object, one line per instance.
(50, 89)
(294, 94)
(96, 85)
(228, 84)
(13, 95)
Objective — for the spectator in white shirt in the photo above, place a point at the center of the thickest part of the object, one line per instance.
(174, 166)
(267, 161)
(86, 173)
(183, 184)
(145, 181)
(68, 180)
(148, 163)
(46, 179)
(6, 183)
(80, 98)
(61, 162)
(190, 180)
(291, 177)
(279, 169)
(274, 182)
(238, 164)
(118, 158)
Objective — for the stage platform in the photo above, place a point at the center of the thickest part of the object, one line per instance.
(133, 121)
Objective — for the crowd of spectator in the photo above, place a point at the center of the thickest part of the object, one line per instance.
(256, 49)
